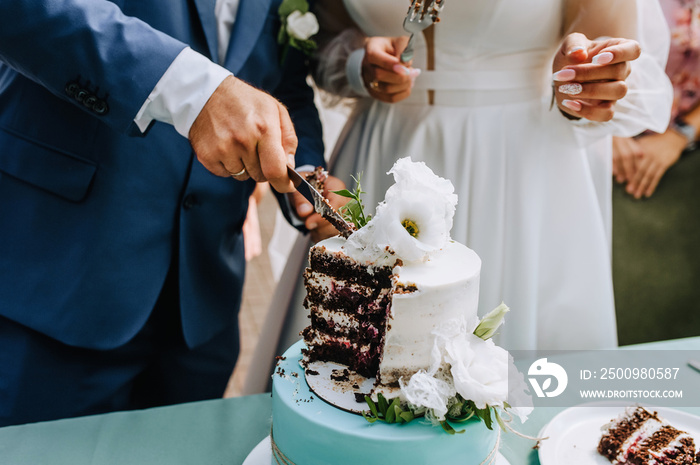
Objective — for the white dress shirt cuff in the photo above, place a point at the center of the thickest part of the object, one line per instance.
(353, 70)
(182, 92)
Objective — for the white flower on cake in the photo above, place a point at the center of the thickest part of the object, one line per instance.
(302, 25)
(415, 217)
(479, 369)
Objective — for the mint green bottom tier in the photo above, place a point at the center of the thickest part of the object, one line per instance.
(309, 431)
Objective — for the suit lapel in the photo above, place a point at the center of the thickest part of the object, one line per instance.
(205, 8)
(250, 19)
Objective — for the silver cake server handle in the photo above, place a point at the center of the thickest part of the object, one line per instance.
(320, 203)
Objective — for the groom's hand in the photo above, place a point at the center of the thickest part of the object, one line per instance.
(241, 127)
(589, 75)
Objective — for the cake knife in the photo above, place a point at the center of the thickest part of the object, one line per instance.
(320, 203)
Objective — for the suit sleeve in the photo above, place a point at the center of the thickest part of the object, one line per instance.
(296, 94)
(87, 52)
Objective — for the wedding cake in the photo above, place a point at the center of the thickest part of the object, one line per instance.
(393, 312)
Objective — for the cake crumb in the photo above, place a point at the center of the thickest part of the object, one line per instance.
(338, 375)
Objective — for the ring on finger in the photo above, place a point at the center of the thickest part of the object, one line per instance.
(240, 173)
(374, 85)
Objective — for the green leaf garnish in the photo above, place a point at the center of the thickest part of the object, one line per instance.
(388, 411)
(354, 210)
(372, 406)
(449, 429)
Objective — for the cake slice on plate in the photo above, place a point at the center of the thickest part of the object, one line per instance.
(641, 437)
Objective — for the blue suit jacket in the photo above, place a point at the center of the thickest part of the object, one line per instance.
(90, 215)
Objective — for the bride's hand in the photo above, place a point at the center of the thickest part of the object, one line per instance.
(589, 75)
(385, 77)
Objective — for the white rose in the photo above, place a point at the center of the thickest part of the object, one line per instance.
(417, 175)
(479, 369)
(414, 220)
(411, 223)
(302, 25)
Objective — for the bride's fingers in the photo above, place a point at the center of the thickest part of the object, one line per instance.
(617, 51)
(590, 73)
(379, 52)
(393, 77)
(599, 111)
(611, 90)
(395, 88)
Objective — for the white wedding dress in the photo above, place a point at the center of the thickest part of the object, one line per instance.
(534, 188)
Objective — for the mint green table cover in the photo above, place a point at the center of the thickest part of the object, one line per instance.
(221, 431)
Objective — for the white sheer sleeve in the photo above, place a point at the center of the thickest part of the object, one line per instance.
(647, 104)
(337, 69)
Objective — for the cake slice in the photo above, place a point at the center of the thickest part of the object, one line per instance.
(641, 437)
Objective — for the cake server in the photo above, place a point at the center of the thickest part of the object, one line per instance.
(320, 203)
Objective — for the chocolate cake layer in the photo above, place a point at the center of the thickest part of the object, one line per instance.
(362, 358)
(611, 443)
(339, 295)
(361, 331)
(379, 278)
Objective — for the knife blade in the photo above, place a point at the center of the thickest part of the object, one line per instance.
(320, 203)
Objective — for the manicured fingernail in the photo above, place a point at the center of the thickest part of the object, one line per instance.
(305, 209)
(573, 88)
(564, 75)
(401, 69)
(415, 72)
(575, 49)
(572, 105)
(602, 58)
(290, 160)
(311, 226)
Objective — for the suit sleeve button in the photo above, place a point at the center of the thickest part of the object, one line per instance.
(100, 107)
(82, 95)
(90, 101)
(72, 88)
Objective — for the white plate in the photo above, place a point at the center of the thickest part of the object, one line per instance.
(574, 433)
(262, 455)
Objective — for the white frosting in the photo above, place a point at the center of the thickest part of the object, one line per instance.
(447, 290)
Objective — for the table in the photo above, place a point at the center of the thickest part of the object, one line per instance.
(221, 431)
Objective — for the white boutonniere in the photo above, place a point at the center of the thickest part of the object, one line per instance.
(298, 26)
